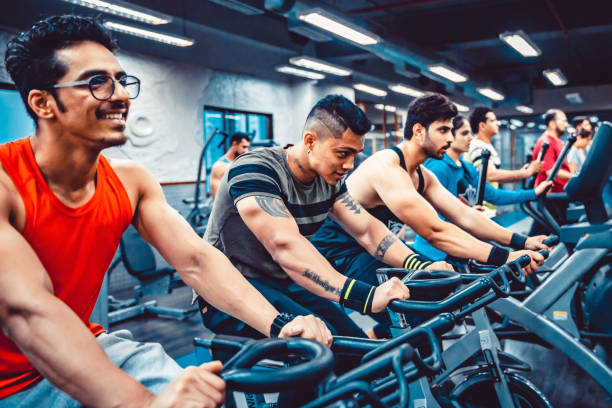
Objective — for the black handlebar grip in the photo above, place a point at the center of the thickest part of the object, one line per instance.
(552, 240)
(543, 151)
(553, 174)
(523, 260)
(484, 165)
(543, 252)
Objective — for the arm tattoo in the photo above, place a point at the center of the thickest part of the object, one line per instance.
(272, 206)
(385, 243)
(321, 282)
(351, 204)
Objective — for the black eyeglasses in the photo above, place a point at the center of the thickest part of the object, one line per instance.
(102, 87)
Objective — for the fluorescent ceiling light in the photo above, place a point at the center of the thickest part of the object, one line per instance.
(461, 108)
(149, 35)
(531, 125)
(524, 109)
(594, 119)
(555, 76)
(573, 97)
(516, 122)
(448, 73)
(370, 89)
(542, 127)
(318, 65)
(491, 94)
(121, 9)
(327, 21)
(286, 69)
(406, 90)
(388, 108)
(512, 127)
(520, 42)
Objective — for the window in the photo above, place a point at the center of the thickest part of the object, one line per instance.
(15, 123)
(228, 121)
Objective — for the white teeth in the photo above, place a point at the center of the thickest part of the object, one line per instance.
(113, 116)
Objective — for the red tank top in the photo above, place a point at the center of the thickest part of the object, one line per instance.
(75, 245)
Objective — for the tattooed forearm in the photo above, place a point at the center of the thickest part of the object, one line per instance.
(321, 282)
(273, 206)
(385, 243)
(351, 204)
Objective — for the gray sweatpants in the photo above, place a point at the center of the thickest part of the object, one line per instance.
(146, 362)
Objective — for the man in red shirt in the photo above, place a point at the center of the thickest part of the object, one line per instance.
(63, 208)
(556, 124)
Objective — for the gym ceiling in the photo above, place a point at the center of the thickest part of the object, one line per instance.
(255, 37)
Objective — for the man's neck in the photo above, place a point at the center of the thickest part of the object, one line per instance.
(231, 155)
(484, 138)
(413, 154)
(66, 163)
(299, 165)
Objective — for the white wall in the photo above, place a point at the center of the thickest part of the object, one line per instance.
(165, 123)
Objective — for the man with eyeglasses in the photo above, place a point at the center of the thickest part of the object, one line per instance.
(64, 207)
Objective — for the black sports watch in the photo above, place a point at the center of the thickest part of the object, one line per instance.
(279, 322)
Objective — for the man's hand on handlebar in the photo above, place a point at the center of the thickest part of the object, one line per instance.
(536, 260)
(440, 266)
(307, 327)
(196, 386)
(536, 243)
(533, 168)
(543, 187)
(388, 291)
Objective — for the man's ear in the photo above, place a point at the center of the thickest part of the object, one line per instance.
(41, 103)
(418, 131)
(311, 139)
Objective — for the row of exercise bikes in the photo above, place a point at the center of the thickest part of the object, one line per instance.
(450, 354)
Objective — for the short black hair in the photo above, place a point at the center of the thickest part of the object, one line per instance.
(428, 109)
(239, 137)
(577, 121)
(458, 121)
(338, 114)
(479, 115)
(31, 60)
(550, 115)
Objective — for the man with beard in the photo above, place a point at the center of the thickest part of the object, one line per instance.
(394, 187)
(239, 143)
(63, 209)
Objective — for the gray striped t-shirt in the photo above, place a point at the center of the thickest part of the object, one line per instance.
(265, 172)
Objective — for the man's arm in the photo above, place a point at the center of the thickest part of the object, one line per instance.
(60, 346)
(206, 269)
(216, 174)
(395, 188)
(509, 176)
(270, 221)
(474, 221)
(370, 232)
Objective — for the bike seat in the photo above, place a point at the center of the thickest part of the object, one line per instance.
(424, 285)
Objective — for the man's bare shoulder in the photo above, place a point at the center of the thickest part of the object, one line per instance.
(11, 206)
(219, 168)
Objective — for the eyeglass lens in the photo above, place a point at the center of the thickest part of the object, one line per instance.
(103, 86)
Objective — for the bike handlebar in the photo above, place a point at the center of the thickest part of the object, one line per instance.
(238, 375)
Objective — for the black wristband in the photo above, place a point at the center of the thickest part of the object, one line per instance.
(279, 322)
(518, 241)
(416, 261)
(357, 295)
(498, 256)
